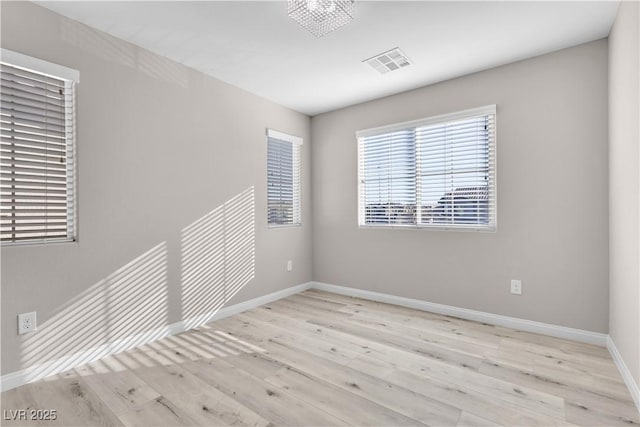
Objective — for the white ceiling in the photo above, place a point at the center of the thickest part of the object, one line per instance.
(255, 46)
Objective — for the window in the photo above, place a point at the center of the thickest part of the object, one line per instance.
(431, 173)
(283, 178)
(37, 176)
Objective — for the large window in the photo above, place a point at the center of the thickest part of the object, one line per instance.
(36, 150)
(283, 178)
(434, 173)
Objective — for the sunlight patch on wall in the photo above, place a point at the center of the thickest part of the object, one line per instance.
(130, 302)
(218, 257)
(239, 242)
(203, 259)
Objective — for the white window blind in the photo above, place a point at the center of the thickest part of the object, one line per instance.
(437, 172)
(283, 179)
(37, 159)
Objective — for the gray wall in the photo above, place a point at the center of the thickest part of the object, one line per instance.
(159, 147)
(624, 186)
(167, 155)
(552, 197)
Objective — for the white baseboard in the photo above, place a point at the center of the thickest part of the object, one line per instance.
(496, 319)
(194, 322)
(52, 367)
(478, 316)
(40, 371)
(624, 371)
(43, 370)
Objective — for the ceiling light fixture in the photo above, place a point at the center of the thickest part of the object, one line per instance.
(320, 17)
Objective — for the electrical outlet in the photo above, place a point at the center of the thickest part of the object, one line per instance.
(516, 287)
(289, 265)
(26, 323)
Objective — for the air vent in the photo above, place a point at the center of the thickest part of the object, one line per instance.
(390, 60)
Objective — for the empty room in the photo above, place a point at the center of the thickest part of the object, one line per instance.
(320, 213)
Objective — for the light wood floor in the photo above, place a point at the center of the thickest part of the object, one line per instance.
(323, 359)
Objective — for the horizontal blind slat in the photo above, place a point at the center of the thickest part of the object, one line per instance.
(12, 88)
(12, 109)
(57, 233)
(18, 115)
(23, 95)
(32, 102)
(17, 80)
(46, 125)
(52, 145)
(25, 149)
(9, 160)
(7, 69)
(44, 158)
(35, 217)
(32, 179)
(30, 131)
(18, 210)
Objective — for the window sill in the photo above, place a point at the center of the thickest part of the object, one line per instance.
(492, 229)
(284, 225)
(37, 243)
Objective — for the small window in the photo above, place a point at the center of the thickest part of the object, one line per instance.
(37, 151)
(432, 173)
(283, 178)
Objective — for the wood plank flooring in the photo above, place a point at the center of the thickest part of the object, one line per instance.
(323, 359)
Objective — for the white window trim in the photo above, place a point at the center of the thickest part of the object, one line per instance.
(295, 140)
(441, 118)
(40, 66)
(284, 136)
(72, 77)
(487, 109)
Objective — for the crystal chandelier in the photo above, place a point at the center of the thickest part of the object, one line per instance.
(320, 17)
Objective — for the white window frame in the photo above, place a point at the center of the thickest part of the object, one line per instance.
(439, 119)
(296, 145)
(70, 77)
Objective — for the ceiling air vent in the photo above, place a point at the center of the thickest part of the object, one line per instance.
(390, 60)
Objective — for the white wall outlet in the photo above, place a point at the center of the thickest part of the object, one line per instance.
(516, 287)
(26, 323)
(289, 265)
